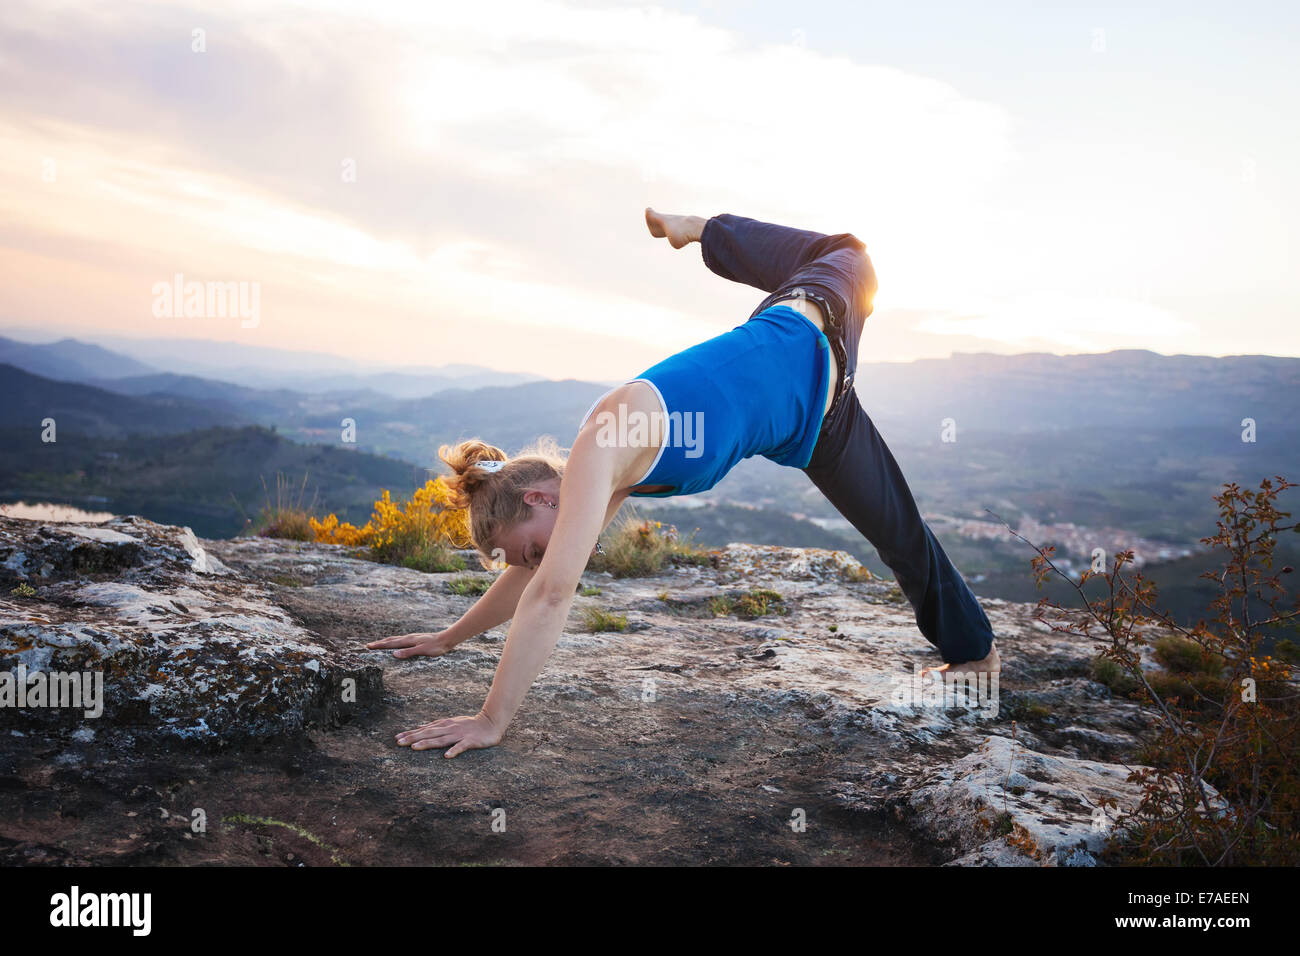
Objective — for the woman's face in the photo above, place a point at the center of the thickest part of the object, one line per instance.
(525, 543)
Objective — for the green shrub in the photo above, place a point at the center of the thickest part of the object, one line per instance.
(1106, 671)
(422, 556)
(755, 603)
(597, 619)
(469, 586)
(1182, 656)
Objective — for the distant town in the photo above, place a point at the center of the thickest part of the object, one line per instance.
(1074, 543)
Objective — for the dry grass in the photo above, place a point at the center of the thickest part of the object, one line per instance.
(640, 547)
(287, 517)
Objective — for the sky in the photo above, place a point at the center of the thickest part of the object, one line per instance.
(445, 182)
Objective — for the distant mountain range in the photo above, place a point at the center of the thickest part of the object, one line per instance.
(69, 360)
(28, 400)
(1031, 392)
(251, 366)
(1127, 440)
(1041, 392)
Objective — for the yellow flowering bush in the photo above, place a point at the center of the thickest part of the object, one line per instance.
(418, 533)
(331, 531)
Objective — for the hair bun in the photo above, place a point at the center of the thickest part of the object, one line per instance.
(462, 459)
(496, 487)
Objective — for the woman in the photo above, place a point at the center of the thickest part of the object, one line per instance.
(779, 385)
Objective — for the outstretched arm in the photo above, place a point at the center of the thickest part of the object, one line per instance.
(496, 606)
(585, 497)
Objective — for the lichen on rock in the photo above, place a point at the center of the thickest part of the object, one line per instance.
(186, 647)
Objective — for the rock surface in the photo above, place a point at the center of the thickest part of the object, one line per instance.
(239, 696)
(186, 648)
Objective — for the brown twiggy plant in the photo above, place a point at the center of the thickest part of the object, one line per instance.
(1223, 782)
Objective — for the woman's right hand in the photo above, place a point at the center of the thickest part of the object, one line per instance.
(427, 643)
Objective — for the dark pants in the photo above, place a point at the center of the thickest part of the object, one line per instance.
(851, 464)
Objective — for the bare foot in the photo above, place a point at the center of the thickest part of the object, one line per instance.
(679, 230)
(990, 665)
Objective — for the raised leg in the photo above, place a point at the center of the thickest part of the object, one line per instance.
(835, 271)
(771, 257)
(775, 258)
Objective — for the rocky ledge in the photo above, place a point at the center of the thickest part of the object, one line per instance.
(186, 647)
(764, 709)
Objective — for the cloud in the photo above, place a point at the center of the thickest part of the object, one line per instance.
(502, 154)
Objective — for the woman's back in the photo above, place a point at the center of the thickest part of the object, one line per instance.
(759, 389)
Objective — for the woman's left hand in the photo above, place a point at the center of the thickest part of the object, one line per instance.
(458, 734)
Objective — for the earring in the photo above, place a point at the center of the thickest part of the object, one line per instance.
(553, 504)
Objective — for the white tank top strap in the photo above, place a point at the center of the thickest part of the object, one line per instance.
(620, 385)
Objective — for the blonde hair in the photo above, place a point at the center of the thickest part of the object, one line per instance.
(495, 499)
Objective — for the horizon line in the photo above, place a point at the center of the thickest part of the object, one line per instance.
(53, 338)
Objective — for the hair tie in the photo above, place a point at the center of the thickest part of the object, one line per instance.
(490, 465)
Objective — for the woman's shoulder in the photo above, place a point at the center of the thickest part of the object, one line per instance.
(639, 396)
(630, 420)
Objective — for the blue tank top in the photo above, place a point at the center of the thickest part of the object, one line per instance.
(759, 389)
